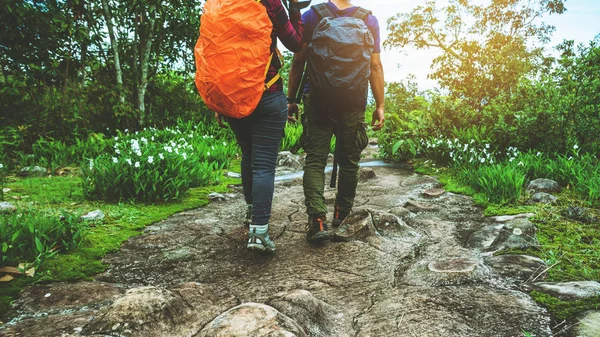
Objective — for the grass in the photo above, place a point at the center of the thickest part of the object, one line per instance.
(123, 221)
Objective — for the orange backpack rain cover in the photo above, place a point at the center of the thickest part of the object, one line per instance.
(232, 55)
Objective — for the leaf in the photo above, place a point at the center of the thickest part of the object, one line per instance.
(397, 146)
(30, 272)
(6, 278)
(10, 270)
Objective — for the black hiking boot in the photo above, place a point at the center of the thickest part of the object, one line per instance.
(317, 229)
(338, 217)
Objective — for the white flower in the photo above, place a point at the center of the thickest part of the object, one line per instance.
(160, 155)
(116, 138)
(482, 160)
(487, 146)
(539, 153)
(117, 151)
(511, 159)
(184, 155)
(152, 138)
(177, 150)
(571, 158)
(212, 148)
(520, 163)
(1, 166)
(575, 147)
(224, 144)
(91, 164)
(208, 154)
(115, 160)
(137, 164)
(126, 130)
(128, 161)
(150, 159)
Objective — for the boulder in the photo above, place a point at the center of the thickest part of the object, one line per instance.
(543, 185)
(569, 291)
(366, 173)
(252, 319)
(589, 325)
(416, 207)
(520, 267)
(145, 312)
(542, 198)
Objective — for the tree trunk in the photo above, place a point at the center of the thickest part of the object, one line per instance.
(146, 48)
(115, 46)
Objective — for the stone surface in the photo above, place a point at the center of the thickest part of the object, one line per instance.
(96, 215)
(7, 207)
(366, 173)
(146, 311)
(433, 193)
(521, 267)
(252, 319)
(589, 325)
(394, 277)
(542, 198)
(569, 291)
(34, 171)
(214, 196)
(506, 218)
(289, 160)
(416, 206)
(543, 185)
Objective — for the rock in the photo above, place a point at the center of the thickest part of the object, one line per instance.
(589, 325)
(214, 196)
(288, 159)
(7, 207)
(316, 317)
(33, 171)
(252, 319)
(415, 206)
(433, 193)
(366, 173)
(400, 212)
(357, 226)
(521, 267)
(506, 218)
(543, 185)
(569, 291)
(453, 266)
(96, 215)
(234, 175)
(373, 141)
(517, 233)
(390, 225)
(542, 198)
(145, 312)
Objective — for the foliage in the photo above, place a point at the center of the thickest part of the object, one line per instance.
(2, 180)
(484, 47)
(157, 165)
(32, 236)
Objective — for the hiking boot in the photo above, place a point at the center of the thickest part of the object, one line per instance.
(338, 217)
(317, 229)
(248, 218)
(258, 239)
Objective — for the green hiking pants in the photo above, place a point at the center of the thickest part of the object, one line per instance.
(351, 137)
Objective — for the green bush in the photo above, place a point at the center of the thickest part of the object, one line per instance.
(157, 165)
(2, 180)
(33, 236)
(500, 183)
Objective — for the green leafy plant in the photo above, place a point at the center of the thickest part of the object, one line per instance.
(32, 236)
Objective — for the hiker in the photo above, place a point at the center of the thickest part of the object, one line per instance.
(257, 122)
(341, 52)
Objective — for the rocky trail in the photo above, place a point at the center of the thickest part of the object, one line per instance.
(413, 260)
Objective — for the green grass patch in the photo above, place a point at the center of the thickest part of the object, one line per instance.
(566, 309)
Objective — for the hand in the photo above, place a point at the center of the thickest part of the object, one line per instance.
(220, 120)
(292, 112)
(378, 119)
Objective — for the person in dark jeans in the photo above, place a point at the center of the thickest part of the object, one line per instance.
(347, 125)
(259, 135)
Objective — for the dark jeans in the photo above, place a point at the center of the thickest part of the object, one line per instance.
(320, 126)
(259, 137)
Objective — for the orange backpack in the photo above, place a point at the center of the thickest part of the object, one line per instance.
(233, 56)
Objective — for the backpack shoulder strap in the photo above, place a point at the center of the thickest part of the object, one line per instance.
(323, 11)
(362, 14)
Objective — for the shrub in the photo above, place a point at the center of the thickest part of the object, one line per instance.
(2, 180)
(34, 236)
(156, 165)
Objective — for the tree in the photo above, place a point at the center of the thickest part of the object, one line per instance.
(485, 49)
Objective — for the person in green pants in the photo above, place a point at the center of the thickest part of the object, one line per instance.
(339, 112)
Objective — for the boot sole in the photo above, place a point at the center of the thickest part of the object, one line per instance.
(260, 248)
(319, 237)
